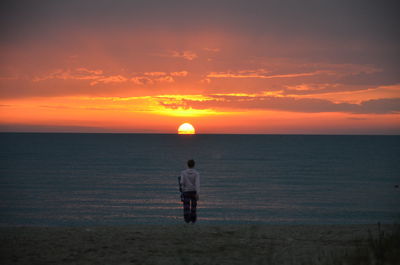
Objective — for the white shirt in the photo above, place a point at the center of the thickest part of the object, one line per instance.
(190, 180)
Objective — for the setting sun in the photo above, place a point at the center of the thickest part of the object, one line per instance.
(186, 128)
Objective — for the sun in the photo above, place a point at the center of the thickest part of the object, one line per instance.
(186, 128)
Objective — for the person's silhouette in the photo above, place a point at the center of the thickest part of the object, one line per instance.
(190, 183)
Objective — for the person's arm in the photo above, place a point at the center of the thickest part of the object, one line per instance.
(180, 184)
(181, 180)
(197, 186)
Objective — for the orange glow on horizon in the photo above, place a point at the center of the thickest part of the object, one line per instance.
(145, 114)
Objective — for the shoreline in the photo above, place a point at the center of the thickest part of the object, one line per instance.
(184, 243)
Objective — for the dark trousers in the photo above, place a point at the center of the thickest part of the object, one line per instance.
(189, 206)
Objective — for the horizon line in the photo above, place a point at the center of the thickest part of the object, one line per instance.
(185, 135)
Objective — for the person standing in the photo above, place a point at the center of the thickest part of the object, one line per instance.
(190, 184)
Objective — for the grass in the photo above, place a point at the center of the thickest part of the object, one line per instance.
(378, 249)
(385, 248)
(198, 245)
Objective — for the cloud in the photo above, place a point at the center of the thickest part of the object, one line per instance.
(205, 81)
(188, 55)
(260, 73)
(109, 79)
(257, 73)
(280, 70)
(180, 74)
(342, 92)
(184, 54)
(291, 104)
(303, 89)
(380, 106)
(76, 74)
(165, 79)
(95, 76)
(296, 77)
(142, 80)
(152, 79)
(99, 77)
(89, 71)
(155, 73)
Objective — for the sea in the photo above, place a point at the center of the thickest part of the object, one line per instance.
(74, 179)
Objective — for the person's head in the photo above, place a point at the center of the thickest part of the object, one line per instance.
(190, 163)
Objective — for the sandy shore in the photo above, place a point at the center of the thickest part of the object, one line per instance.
(180, 244)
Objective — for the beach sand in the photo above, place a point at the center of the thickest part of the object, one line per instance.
(182, 244)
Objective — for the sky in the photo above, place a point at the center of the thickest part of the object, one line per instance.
(254, 67)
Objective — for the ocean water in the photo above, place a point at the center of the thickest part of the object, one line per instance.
(58, 179)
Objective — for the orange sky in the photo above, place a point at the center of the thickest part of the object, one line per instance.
(259, 67)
